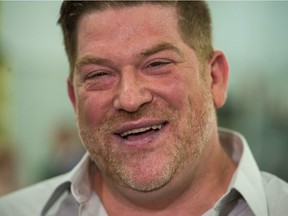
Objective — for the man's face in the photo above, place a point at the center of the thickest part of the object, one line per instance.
(143, 109)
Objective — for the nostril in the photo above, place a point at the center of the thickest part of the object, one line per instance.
(132, 101)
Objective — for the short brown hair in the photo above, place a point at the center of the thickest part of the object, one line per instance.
(193, 19)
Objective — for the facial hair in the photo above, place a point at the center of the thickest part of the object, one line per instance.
(136, 168)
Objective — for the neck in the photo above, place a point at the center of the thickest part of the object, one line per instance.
(200, 193)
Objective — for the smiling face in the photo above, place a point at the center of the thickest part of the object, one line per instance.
(144, 111)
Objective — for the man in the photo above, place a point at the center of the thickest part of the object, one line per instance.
(145, 83)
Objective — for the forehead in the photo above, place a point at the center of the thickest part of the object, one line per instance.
(120, 25)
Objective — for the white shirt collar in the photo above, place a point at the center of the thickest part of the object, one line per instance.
(79, 177)
(247, 177)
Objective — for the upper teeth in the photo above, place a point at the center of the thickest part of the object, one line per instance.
(139, 130)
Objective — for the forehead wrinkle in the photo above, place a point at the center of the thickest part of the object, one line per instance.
(126, 34)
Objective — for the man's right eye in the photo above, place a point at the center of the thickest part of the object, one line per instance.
(96, 75)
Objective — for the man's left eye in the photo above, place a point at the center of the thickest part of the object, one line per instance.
(158, 64)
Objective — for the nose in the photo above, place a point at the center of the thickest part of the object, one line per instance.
(132, 92)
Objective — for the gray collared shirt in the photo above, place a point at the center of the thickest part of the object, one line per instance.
(250, 192)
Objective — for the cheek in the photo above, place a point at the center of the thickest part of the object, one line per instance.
(174, 91)
(92, 109)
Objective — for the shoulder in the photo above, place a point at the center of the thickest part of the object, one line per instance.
(276, 191)
(31, 200)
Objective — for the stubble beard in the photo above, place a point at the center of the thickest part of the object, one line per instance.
(133, 168)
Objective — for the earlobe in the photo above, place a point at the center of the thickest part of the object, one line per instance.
(71, 93)
(219, 74)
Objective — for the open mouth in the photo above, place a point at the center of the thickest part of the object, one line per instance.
(141, 132)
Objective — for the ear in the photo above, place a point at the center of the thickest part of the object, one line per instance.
(71, 93)
(219, 75)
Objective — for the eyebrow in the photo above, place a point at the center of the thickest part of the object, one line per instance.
(92, 60)
(143, 54)
(159, 48)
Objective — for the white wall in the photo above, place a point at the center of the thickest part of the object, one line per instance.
(33, 45)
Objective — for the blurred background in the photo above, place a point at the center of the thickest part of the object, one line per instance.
(37, 130)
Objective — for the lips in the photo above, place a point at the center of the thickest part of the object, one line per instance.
(140, 129)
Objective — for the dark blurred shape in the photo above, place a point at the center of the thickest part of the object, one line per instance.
(66, 151)
(8, 178)
(263, 119)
